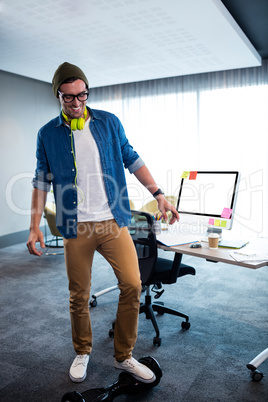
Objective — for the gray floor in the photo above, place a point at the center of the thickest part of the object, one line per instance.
(228, 314)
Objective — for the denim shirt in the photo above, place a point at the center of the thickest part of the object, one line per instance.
(55, 164)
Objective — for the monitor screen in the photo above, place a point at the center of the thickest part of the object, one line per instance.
(211, 196)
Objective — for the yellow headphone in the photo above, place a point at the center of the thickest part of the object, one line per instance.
(76, 124)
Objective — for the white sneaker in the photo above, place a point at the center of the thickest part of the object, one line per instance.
(138, 370)
(78, 370)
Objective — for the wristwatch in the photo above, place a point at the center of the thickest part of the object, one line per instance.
(159, 191)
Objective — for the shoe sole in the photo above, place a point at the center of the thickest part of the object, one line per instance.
(74, 379)
(149, 381)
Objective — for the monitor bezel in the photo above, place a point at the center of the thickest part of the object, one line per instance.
(233, 199)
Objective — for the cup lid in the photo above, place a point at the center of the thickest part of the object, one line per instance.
(213, 235)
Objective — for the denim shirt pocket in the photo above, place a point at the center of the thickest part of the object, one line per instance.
(114, 150)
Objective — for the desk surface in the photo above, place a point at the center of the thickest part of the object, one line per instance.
(221, 254)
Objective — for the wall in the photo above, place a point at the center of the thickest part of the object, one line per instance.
(25, 105)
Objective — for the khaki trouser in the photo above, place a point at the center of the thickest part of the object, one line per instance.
(116, 245)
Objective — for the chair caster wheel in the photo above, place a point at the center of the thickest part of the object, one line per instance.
(157, 341)
(93, 303)
(185, 325)
(256, 375)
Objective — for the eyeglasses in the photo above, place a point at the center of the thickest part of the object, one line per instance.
(83, 96)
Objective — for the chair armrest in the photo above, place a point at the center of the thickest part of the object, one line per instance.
(186, 270)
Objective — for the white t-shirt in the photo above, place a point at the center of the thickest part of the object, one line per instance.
(92, 200)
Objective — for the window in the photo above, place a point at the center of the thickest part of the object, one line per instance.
(215, 121)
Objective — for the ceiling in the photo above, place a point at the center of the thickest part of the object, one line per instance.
(119, 41)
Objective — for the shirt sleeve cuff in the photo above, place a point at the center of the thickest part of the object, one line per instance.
(136, 165)
(41, 185)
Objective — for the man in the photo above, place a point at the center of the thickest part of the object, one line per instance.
(83, 153)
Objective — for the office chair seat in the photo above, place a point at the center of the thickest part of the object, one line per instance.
(163, 267)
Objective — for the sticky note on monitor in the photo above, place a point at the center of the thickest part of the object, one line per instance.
(226, 213)
(192, 175)
(211, 221)
(185, 175)
(217, 222)
(223, 224)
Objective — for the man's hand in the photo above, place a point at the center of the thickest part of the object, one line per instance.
(165, 206)
(36, 236)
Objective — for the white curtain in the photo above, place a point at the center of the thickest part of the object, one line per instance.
(214, 121)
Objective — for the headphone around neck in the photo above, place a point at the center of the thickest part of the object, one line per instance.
(76, 124)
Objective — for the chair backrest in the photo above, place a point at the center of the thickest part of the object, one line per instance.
(143, 235)
(50, 215)
(131, 204)
(152, 206)
(172, 199)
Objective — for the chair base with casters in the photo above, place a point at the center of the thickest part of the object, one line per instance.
(257, 375)
(93, 302)
(54, 243)
(150, 308)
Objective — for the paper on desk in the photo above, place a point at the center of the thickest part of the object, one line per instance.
(250, 256)
(176, 239)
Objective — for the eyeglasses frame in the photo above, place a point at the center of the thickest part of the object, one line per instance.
(74, 96)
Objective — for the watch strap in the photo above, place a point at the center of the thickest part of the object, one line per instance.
(159, 191)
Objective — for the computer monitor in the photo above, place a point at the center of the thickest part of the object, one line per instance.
(206, 201)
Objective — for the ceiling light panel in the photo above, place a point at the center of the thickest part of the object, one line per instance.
(117, 41)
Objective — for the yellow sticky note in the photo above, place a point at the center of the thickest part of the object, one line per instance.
(217, 222)
(223, 224)
(185, 175)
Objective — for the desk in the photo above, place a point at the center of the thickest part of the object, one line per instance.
(222, 255)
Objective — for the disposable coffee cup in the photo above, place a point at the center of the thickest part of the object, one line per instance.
(213, 241)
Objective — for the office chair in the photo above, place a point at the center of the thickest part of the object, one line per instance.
(155, 271)
(56, 240)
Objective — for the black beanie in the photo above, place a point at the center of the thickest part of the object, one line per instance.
(65, 71)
